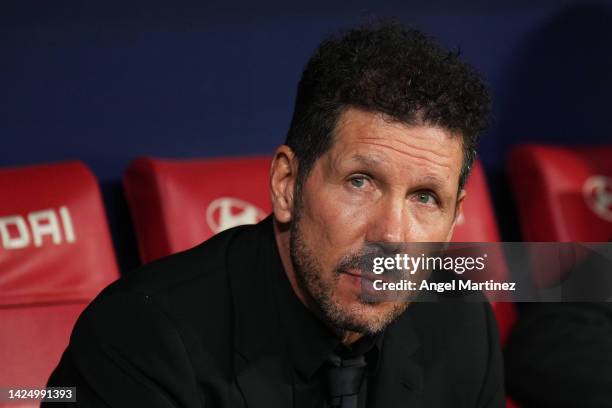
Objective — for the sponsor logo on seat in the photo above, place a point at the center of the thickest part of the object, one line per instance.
(18, 232)
(597, 191)
(228, 212)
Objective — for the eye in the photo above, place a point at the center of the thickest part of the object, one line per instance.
(358, 181)
(425, 197)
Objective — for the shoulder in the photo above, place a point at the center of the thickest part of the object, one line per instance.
(198, 267)
(454, 320)
(197, 264)
(185, 290)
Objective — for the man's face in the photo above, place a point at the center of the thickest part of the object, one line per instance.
(380, 182)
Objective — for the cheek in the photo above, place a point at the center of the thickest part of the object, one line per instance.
(332, 226)
(429, 226)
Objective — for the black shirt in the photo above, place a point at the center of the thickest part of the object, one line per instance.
(310, 343)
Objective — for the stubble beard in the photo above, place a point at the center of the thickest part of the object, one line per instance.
(360, 316)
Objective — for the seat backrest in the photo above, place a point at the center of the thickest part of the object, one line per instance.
(176, 204)
(563, 194)
(55, 256)
(478, 224)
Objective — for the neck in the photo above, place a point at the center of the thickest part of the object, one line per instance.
(282, 233)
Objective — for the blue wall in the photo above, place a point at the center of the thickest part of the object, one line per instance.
(109, 82)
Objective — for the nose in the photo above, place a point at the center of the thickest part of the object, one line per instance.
(388, 221)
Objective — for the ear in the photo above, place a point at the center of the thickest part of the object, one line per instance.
(283, 176)
(458, 213)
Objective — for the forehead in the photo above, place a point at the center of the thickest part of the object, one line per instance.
(373, 138)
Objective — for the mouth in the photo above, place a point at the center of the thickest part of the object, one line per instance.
(364, 280)
(362, 285)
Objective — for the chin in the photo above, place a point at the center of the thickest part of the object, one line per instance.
(366, 318)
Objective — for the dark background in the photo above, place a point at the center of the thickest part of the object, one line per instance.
(110, 81)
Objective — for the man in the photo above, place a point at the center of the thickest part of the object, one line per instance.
(381, 142)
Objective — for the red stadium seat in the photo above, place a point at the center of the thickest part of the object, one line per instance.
(563, 194)
(177, 204)
(478, 224)
(55, 256)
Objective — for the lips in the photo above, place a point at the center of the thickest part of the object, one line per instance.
(361, 276)
(367, 277)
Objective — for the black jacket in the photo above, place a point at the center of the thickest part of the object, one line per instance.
(200, 329)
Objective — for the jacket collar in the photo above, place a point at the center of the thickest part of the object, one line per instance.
(399, 380)
(261, 365)
(250, 256)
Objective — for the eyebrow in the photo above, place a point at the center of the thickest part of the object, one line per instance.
(434, 180)
(369, 160)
